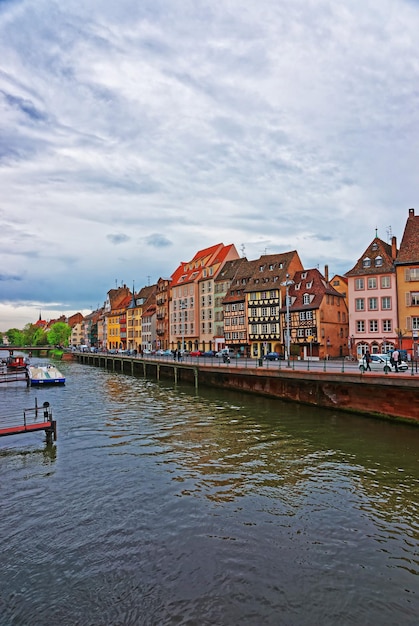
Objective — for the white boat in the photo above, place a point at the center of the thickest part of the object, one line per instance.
(45, 375)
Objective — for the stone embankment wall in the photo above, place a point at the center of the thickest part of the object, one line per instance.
(390, 397)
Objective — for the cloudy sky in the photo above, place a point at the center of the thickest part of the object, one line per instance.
(134, 133)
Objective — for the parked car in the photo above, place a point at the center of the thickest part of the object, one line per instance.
(381, 363)
(272, 356)
(210, 353)
(226, 352)
(195, 353)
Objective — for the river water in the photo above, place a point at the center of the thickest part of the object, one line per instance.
(162, 505)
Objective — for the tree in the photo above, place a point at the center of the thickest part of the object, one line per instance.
(30, 331)
(16, 337)
(59, 334)
(40, 338)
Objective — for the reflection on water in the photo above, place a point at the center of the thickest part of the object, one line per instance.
(167, 505)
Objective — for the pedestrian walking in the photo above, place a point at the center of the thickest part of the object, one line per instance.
(367, 359)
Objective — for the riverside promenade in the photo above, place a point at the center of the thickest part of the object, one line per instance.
(332, 384)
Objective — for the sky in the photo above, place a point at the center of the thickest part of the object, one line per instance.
(133, 134)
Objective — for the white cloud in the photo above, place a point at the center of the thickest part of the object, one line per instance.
(134, 134)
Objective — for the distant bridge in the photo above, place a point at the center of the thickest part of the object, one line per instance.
(32, 349)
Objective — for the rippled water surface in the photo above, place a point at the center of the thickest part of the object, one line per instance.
(163, 505)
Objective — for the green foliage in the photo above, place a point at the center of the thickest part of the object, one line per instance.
(16, 337)
(59, 334)
(40, 338)
(34, 336)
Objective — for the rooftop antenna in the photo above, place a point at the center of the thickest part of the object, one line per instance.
(116, 283)
(243, 250)
(148, 281)
(389, 234)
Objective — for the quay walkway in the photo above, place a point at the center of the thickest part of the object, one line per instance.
(332, 384)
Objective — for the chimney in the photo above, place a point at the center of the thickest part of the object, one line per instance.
(411, 212)
(394, 247)
(326, 273)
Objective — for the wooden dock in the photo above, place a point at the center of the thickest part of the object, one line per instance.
(30, 423)
(12, 377)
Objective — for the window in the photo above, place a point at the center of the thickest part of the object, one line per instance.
(272, 294)
(306, 298)
(373, 326)
(264, 311)
(372, 283)
(273, 310)
(366, 262)
(360, 326)
(359, 284)
(387, 326)
(309, 315)
(415, 323)
(414, 298)
(378, 261)
(385, 282)
(302, 315)
(372, 304)
(264, 328)
(300, 332)
(385, 303)
(273, 329)
(359, 304)
(412, 273)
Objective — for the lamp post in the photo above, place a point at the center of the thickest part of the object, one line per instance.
(287, 284)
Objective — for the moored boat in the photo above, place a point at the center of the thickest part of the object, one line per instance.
(16, 363)
(45, 375)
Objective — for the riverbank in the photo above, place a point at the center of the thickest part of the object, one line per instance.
(392, 397)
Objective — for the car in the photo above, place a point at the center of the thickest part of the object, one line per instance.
(226, 352)
(381, 363)
(195, 353)
(272, 356)
(210, 353)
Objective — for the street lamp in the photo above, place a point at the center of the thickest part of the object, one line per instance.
(287, 284)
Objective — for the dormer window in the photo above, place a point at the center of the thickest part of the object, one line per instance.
(309, 285)
(378, 261)
(366, 262)
(297, 286)
(304, 275)
(374, 246)
(306, 298)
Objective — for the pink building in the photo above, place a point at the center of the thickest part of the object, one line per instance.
(372, 300)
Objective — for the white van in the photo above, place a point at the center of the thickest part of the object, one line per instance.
(225, 352)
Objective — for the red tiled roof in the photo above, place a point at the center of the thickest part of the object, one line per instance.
(310, 282)
(377, 248)
(409, 246)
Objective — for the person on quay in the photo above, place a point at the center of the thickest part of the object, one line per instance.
(396, 359)
(367, 359)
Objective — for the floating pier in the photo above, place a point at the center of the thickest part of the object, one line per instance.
(12, 377)
(31, 423)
